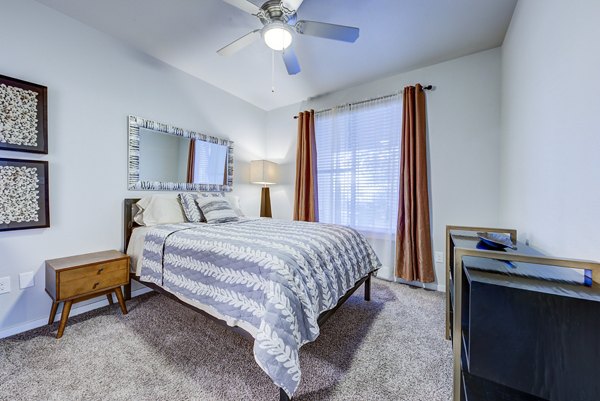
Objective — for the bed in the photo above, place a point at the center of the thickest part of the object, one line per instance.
(273, 281)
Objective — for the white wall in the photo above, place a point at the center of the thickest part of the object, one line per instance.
(281, 136)
(550, 139)
(464, 140)
(93, 83)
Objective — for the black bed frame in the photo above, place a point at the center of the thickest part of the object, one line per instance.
(323, 317)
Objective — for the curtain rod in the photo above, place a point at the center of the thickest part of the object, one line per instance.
(427, 88)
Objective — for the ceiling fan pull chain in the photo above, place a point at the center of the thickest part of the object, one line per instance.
(272, 71)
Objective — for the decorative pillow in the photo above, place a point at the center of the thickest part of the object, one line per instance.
(157, 209)
(216, 209)
(190, 208)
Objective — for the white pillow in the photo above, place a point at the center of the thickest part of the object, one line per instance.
(234, 201)
(157, 209)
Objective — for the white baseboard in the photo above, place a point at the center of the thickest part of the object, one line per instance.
(34, 324)
(428, 286)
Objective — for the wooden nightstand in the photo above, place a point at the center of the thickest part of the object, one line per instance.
(78, 278)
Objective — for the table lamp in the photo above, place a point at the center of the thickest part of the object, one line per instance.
(264, 172)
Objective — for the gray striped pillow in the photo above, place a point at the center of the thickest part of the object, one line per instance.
(216, 209)
(190, 208)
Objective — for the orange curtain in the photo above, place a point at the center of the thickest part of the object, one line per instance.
(191, 161)
(413, 236)
(306, 206)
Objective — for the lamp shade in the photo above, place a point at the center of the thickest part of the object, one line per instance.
(263, 172)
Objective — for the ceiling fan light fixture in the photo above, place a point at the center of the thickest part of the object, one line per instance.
(277, 36)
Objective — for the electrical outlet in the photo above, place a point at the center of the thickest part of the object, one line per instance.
(26, 280)
(439, 257)
(4, 285)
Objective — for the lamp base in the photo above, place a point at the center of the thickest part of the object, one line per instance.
(265, 203)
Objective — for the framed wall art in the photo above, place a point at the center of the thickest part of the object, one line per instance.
(23, 116)
(23, 194)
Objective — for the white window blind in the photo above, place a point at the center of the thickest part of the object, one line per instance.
(358, 164)
(209, 163)
(358, 171)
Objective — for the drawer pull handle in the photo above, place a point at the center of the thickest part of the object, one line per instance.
(100, 270)
(96, 285)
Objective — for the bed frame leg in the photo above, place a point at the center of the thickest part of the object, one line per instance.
(128, 291)
(368, 288)
(283, 395)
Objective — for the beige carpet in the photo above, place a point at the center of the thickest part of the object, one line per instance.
(391, 348)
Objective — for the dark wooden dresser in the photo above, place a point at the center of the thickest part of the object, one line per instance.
(521, 328)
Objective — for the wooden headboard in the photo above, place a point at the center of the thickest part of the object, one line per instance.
(128, 223)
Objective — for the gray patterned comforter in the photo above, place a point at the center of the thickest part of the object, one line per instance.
(272, 278)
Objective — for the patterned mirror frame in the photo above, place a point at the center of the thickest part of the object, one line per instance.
(133, 176)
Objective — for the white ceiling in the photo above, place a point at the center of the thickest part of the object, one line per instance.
(395, 36)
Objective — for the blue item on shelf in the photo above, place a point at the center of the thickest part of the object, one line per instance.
(496, 240)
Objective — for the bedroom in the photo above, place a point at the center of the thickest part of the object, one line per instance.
(511, 143)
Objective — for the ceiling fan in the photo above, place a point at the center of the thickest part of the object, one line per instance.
(280, 22)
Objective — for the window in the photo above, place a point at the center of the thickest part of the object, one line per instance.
(358, 165)
(210, 163)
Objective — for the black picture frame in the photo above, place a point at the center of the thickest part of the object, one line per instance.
(8, 195)
(42, 116)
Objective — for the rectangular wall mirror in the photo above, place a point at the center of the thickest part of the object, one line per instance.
(163, 157)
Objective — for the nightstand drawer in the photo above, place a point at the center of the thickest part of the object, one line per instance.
(93, 283)
(96, 270)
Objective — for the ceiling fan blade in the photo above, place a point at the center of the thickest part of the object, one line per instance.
(291, 61)
(244, 5)
(291, 5)
(240, 43)
(329, 31)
